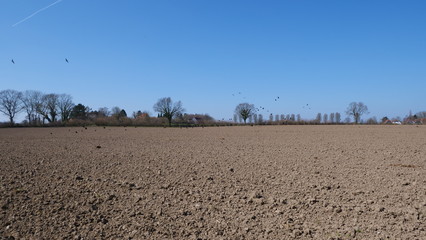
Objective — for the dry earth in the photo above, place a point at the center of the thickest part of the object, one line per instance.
(267, 182)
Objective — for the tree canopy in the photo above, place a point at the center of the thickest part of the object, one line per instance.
(245, 110)
(168, 109)
(356, 110)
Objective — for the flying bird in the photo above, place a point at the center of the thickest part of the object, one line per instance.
(13, 61)
(66, 60)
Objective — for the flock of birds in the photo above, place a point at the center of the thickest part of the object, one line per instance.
(66, 60)
(307, 107)
(234, 94)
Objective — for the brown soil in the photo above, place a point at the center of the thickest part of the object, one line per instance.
(267, 182)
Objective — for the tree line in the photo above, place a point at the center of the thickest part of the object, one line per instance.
(247, 113)
(53, 109)
(59, 109)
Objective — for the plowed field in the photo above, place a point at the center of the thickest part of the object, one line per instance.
(265, 182)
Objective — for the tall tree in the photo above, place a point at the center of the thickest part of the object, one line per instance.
(338, 117)
(65, 106)
(332, 117)
(48, 107)
(79, 111)
(356, 110)
(168, 109)
(255, 118)
(10, 103)
(260, 118)
(30, 100)
(245, 110)
(325, 118)
(318, 118)
(122, 114)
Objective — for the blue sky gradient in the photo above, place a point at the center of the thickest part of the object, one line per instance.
(131, 53)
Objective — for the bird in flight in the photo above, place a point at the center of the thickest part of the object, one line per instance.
(13, 61)
(66, 60)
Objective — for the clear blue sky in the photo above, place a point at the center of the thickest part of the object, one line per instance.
(130, 53)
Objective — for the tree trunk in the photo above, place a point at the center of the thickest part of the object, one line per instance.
(170, 121)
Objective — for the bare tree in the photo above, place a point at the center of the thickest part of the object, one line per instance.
(325, 118)
(271, 118)
(255, 119)
(347, 120)
(299, 118)
(65, 106)
(356, 110)
(277, 118)
(292, 117)
(332, 117)
(48, 107)
(245, 110)
(318, 118)
(30, 100)
(260, 117)
(115, 112)
(338, 117)
(10, 103)
(168, 109)
(103, 112)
